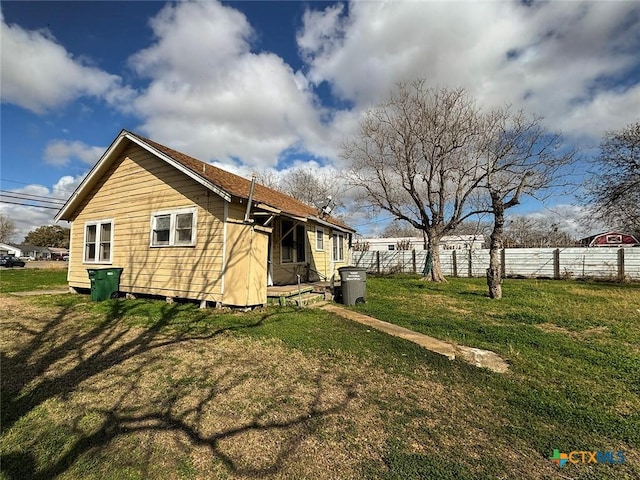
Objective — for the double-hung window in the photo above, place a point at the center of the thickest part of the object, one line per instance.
(337, 245)
(292, 242)
(319, 239)
(98, 240)
(174, 228)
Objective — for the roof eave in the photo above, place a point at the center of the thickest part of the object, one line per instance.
(332, 225)
(179, 166)
(66, 212)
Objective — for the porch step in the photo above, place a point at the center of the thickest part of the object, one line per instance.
(303, 299)
(306, 299)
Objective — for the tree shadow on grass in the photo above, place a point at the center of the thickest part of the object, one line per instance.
(60, 359)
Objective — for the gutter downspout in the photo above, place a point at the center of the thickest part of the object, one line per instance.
(248, 211)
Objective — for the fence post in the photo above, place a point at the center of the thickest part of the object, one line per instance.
(454, 260)
(413, 258)
(621, 264)
(378, 261)
(470, 264)
(556, 264)
(503, 260)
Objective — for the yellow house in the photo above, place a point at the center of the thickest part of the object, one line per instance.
(183, 228)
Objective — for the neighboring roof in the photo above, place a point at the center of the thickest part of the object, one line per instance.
(33, 248)
(225, 184)
(626, 239)
(58, 250)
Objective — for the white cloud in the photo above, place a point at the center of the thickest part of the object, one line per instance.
(210, 96)
(66, 185)
(61, 152)
(28, 218)
(39, 74)
(557, 59)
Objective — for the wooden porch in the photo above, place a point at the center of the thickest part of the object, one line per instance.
(305, 294)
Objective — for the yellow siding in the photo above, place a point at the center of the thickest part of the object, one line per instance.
(246, 266)
(136, 185)
(245, 277)
(318, 266)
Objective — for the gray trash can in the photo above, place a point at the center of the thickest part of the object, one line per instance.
(354, 284)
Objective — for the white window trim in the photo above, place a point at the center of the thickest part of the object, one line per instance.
(97, 223)
(172, 227)
(321, 232)
(340, 238)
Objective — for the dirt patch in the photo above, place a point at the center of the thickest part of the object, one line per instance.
(47, 264)
(553, 328)
(225, 406)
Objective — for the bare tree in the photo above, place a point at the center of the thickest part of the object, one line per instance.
(268, 178)
(310, 186)
(614, 187)
(361, 245)
(521, 158)
(521, 231)
(415, 157)
(479, 227)
(398, 229)
(8, 229)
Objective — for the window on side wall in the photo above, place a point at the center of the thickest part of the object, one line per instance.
(292, 243)
(614, 239)
(337, 247)
(174, 228)
(319, 239)
(98, 241)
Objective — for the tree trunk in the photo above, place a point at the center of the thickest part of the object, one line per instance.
(494, 272)
(436, 268)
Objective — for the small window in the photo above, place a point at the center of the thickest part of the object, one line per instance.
(173, 228)
(617, 239)
(391, 247)
(338, 247)
(161, 229)
(320, 239)
(98, 238)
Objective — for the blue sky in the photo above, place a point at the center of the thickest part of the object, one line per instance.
(268, 85)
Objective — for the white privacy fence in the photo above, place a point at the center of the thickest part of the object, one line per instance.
(601, 262)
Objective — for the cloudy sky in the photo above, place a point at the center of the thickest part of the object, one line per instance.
(268, 85)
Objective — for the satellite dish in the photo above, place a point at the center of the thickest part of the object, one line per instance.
(326, 209)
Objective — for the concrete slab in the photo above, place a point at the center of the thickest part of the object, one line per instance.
(474, 356)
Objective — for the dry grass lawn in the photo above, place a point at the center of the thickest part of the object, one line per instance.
(91, 396)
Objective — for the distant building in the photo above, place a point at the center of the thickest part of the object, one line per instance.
(448, 242)
(610, 239)
(32, 252)
(10, 249)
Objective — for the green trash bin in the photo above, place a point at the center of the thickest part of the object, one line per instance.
(354, 284)
(105, 283)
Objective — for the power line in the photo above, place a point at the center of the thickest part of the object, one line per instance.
(28, 205)
(383, 219)
(30, 196)
(23, 183)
